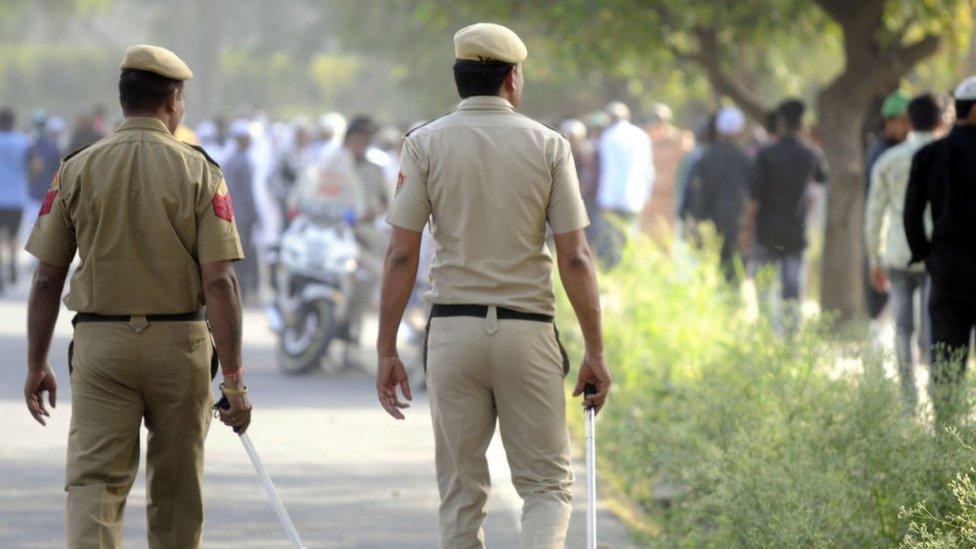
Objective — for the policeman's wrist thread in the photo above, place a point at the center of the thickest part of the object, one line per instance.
(236, 374)
(232, 392)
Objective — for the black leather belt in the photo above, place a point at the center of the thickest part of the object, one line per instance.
(481, 311)
(200, 314)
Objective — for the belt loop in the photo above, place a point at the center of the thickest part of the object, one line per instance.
(491, 321)
(138, 323)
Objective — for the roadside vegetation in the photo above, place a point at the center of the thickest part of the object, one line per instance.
(721, 433)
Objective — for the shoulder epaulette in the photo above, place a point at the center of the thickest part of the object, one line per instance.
(73, 153)
(427, 123)
(203, 151)
(548, 126)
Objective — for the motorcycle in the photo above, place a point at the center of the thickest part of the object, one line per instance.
(312, 273)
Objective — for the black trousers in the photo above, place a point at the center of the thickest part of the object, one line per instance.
(953, 316)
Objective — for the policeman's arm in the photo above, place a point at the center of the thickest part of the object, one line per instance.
(579, 279)
(399, 276)
(42, 314)
(223, 296)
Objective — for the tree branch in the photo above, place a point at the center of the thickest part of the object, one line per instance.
(707, 58)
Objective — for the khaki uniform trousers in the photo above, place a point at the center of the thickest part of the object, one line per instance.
(480, 370)
(120, 378)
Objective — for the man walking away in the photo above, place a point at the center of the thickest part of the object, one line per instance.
(887, 246)
(720, 185)
(626, 178)
(894, 130)
(492, 180)
(152, 220)
(43, 158)
(239, 173)
(776, 213)
(941, 178)
(13, 192)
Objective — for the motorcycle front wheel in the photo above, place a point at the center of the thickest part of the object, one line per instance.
(305, 340)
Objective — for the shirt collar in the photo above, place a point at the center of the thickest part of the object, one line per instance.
(143, 123)
(486, 103)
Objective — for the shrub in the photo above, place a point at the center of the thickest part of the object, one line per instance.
(721, 433)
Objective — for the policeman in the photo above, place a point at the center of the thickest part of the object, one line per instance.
(153, 225)
(492, 180)
(941, 181)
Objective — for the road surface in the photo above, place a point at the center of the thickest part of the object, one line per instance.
(349, 475)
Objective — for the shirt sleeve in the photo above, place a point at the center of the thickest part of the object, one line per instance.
(916, 201)
(758, 177)
(820, 169)
(566, 211)
(875, 212)
(411, 202)
(217, 238)
(53, 238)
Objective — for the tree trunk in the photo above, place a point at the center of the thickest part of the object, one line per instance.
(841, 107)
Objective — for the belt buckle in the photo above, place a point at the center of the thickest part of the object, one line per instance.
(138, 323)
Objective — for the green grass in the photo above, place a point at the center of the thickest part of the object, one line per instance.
(720, 433)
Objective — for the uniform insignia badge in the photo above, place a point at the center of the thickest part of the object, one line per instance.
(223, 206)
(48, 202)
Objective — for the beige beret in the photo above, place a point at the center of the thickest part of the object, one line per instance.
(157, 60)
(488, 41)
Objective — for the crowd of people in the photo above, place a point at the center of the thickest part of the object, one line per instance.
(755, 184)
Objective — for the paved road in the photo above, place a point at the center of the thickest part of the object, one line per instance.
(350, 476)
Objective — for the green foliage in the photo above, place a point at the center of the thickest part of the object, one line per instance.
(954, 527)
(723, 434)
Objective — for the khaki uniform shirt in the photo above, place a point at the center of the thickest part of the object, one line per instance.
(490, 179)
(143, 210)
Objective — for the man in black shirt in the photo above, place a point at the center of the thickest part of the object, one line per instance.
(943, 177)
(776, 215)
(719, 185)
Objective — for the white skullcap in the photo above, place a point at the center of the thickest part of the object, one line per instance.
(730, 121)
(334, 122)
(966, 90)
(573, 127)
(206, 130)
(618, 111)
(240, 128)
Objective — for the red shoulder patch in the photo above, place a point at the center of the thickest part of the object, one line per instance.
(48, 202)
(400, 179)
(223, 206)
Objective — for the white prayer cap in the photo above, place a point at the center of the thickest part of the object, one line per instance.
(730, 121)
(966, 90)
(573, 127)
(334, 122)
(240, 128)
(206, 130)
(618, 111)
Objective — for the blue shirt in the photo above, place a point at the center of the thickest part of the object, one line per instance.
(13, 170)
(47, 152)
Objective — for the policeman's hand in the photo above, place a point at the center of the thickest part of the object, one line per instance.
(38, 381)
(594, 372)
(390, 375)
(238, 416)
(879, 279)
